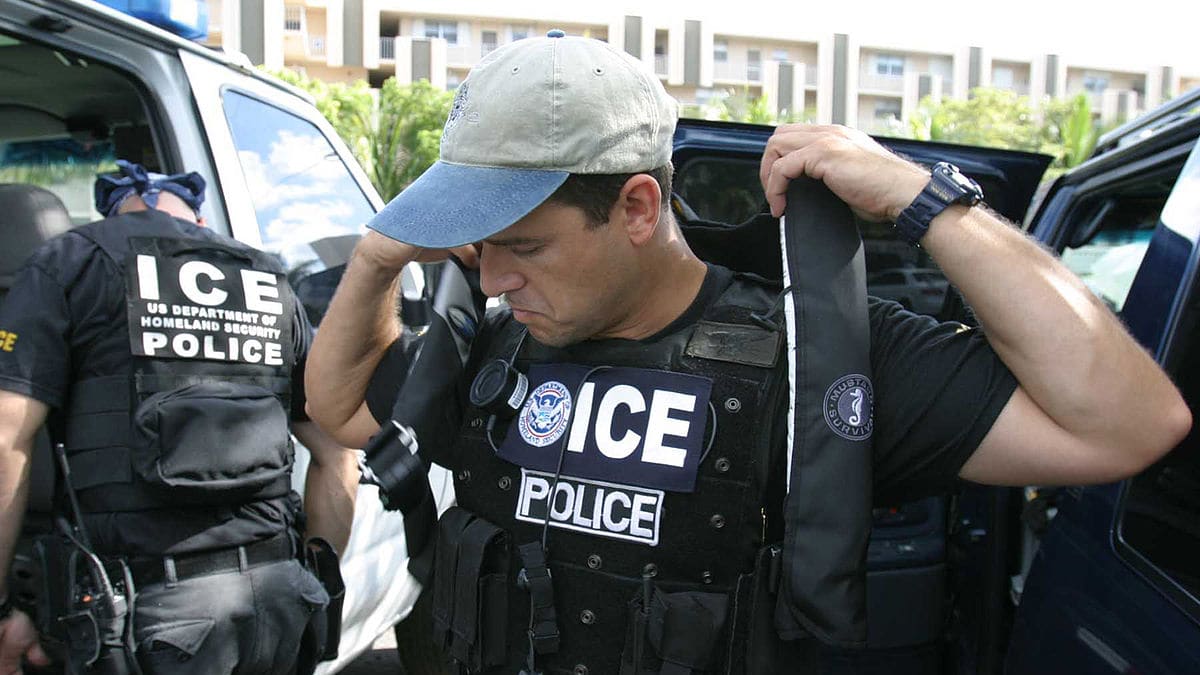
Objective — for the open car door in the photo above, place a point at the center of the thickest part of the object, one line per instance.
(938, 569)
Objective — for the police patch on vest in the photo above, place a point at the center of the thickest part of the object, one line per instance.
(848, 407)
(202, 300)
(626, 425)
(592, 507)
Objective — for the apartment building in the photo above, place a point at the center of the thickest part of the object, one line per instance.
(824, 77)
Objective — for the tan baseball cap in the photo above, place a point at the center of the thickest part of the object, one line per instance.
(527, 116)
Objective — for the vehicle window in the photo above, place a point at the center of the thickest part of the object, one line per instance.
(727, 190)
(887, 278)
(1160, 515)
(310, 209)
(65, 118)
(722, 190)
(1123, 222)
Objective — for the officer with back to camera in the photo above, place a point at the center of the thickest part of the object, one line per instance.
(161, 355)
(622, 518)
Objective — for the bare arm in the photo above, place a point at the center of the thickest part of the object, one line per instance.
(359, 326)
(329, 487)
(20, 418)
(1092, 405)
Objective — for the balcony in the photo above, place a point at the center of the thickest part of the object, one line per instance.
(387, 49)
(660, 65)
(737, 72)
(316, 47)
(872, 81)
(461, 55)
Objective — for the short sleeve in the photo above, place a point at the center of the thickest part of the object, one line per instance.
(390, 375)
(34, 337)
(302, 339)
(938, 389)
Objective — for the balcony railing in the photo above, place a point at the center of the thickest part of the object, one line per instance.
(876, 82)
(316, 46)
(387, 49)
(660, 64)
(461, 55)
(737, 71)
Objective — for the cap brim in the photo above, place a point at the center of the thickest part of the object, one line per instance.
(455, 204)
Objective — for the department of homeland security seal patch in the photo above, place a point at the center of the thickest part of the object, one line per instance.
(848, 407)
(545, 415)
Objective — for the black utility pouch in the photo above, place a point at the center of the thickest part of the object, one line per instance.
(676, 634)
(763, 650)
(323, 633)
(212, 441)
(470, 597)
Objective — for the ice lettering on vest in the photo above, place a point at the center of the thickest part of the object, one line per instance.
(205, 309)
(630, 425)
(593, 507)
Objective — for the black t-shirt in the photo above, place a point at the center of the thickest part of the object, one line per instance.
(938, 389)
(67, 312)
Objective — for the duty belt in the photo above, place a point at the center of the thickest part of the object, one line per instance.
(159, 569)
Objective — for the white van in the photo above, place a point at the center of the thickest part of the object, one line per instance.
(82, 85)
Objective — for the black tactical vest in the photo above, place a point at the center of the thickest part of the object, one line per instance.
(200, 414)
(637, 579)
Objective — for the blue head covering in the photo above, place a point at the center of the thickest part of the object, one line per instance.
(112, 190)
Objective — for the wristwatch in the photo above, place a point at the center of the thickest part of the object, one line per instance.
(947, 186)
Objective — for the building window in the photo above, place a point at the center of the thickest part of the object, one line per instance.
(753, 65)
(447, 30)
(487, 42)
(889, 65)
(720, 51)
(1002, 77)
(1095, 82)
(519, 32)
(293, 18)
(779, 55)
(886, 111)
(452, 81)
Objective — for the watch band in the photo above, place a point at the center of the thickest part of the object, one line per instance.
(913, 222)
(946, 186)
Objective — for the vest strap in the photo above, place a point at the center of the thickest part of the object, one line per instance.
(535, 578)
(100, 467)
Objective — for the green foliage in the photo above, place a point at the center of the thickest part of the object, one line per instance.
(741, 107)
(408, 135)
(394, 132)
(994, 118)
(1078, 133)
(998, 118)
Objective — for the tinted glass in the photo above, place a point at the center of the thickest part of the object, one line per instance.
(65, 118)
(1161, 511)
(310, 209)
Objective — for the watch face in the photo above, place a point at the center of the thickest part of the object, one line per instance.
(952, 186)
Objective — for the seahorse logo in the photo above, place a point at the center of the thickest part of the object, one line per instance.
(848, 407)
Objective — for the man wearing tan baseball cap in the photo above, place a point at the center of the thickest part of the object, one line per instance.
(618, 434)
